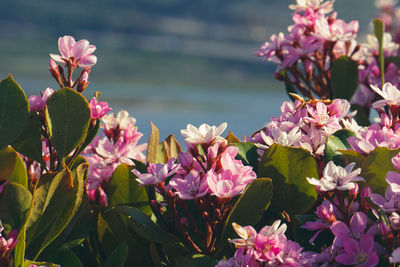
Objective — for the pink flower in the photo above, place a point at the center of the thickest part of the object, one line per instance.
(37, 103)
(359, 253)
(80, 53)
(326, 214)
(205, 134)
(98, 109)
(269, 242)
(339, 30)
(157, 173)
(396, 161)
(321, 117)
(190, 185)
(337, 177)
(302, 5)
(247, 234)
(232, 178)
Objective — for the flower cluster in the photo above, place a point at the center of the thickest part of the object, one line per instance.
(306, 125)
(117, 144)
(268, 247)
(306, 53)
(207, 173)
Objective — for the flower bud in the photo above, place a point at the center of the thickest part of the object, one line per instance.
(394, 219)
(83, 83)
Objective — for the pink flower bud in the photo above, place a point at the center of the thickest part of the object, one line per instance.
(98, 109)
(366, 192)
(36, 103)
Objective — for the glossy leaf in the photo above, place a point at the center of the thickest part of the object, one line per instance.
(57, 197)
(197, 260)
(331, 153)
(114, 229)
(19, 174)
(375, 167)
(19, 254)
(29, 143)
(145, 227)
(288, 168)
(249, 208)
(8, 159)
(67, 258)
(68, 116)
(118, 256)
(344, 77)
(14, 204)
(14, 111)
(123, 189)
(247, 153)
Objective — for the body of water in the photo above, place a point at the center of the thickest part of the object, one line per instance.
(172, 108)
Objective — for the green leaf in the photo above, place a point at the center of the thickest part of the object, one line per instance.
(152, 147)
(123, 189)
(249, 208)
(375, 167)
(19, 174)
(8, 159)
(344, 77)
(362, 116)
(379, 31)
(232, 138)
(196, 260)
(67, 258)
(353, 156)
(14, 111)
(19, 254)
(14, 204)
(117, 257)
(56, 198)
(113, 229)
(332, 145)
(90, 136)
(145, 227)
(29, 143)
(288, 168)
(247, 153)
(68, 117)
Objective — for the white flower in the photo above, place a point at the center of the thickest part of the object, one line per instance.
(122, 120)
(389, 93)
(337, 177)
(279, 136)
(389, 46)
(395, 258)
(205, 134)
(314, 4)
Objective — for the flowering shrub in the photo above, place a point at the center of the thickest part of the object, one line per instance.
(317, 186)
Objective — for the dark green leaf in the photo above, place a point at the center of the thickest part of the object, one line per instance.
(29, 143)
(375, 167)
(288, 168)
(57, 197)
(19, 254)
(344, 77)
(333, 144)
(8, 159)
(249, 208)
(117, 257)
(68, 116)
(197, 260)
(14, 111)
(14, 204)
(90, 136)
(67, 258)
(379, 31)
(247, 153)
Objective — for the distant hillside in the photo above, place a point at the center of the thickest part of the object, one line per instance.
(170, 42)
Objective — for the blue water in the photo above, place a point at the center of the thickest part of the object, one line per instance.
(172, 108)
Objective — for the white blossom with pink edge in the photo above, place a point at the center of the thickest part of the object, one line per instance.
(390, 95)
(337, 177)
(205, 134)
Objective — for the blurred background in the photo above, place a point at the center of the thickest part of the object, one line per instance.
(173, 62)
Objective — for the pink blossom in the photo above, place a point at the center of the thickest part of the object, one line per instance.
(232, 178)
(189, 186)
(338, 30)
(326, 217)
(269, 242)
(337, 177)
(37, 103)
(320, 116)
(361, 253)
(80, 53)
(302, 5)
(98, 195)
(247, 234)
(396, 161)
(98, 109)
(156, 173)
